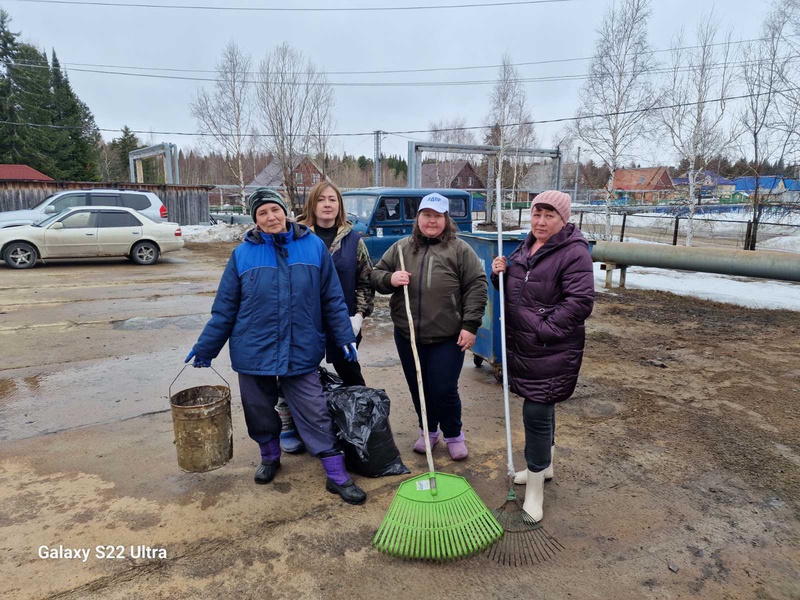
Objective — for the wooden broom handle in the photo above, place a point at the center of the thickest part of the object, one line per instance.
(420, 389)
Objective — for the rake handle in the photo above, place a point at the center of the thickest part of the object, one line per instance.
(503, 354)
(420, 390)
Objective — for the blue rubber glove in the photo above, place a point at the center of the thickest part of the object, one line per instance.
(199, 361)
(350, 353)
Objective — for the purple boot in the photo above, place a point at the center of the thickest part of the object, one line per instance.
(339, 480)
(419, 445)
(456, 447)
(270, 462)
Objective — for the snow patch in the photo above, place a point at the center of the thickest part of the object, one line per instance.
(221, 232)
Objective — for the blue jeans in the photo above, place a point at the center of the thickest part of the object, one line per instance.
(540, 432)
(441, 367)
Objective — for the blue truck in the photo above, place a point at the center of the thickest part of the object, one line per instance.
(384, 215)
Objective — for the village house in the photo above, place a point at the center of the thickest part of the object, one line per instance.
(649, 185)
(305, 174)
(712, 185)
(457, 174)
(21, 173)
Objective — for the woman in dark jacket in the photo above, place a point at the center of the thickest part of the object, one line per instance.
(549, 293)
(448, 290)
(278, 297)
(325, 215)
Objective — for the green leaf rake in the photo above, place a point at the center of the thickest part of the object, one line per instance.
(434, 516)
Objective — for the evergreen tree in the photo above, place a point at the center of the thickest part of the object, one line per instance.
(119, 148)
(76, 146)
(8, 48)
(31, 99)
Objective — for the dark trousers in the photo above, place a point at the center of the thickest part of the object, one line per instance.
(350, 372)
(441, 367)
(306, 400)
(540, 432)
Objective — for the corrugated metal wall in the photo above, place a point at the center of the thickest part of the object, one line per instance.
(187, 204)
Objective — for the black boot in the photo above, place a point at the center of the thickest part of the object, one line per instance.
(348, 491)
(266, 472)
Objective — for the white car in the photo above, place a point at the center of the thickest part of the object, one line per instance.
(83, 232)
(146, 203)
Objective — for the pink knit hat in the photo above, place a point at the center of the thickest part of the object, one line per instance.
(558, 200)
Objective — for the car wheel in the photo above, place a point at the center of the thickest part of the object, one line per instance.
(20, 256)
(145, 253)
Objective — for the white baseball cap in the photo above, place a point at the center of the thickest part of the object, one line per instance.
(435, 202)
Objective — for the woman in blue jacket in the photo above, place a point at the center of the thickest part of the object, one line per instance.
(278, 297)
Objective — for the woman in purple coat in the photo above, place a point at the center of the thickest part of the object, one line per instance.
(549, 293)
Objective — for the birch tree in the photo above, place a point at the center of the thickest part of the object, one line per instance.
(322, 123)
(615, 101)
(509, 120)
(788, 105)
(762, 73)
(697, 127)
(225, 112)
(293, 97)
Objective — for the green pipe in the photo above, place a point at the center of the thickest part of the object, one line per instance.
(745, 263)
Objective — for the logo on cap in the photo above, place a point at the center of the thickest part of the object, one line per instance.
(435, 202)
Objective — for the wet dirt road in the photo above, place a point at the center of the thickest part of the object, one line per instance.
(677, 470)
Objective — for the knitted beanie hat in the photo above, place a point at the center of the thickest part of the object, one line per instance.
(558, 200)
(264, 195)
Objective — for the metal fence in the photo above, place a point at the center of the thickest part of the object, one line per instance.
(187, 204)
(778, 229)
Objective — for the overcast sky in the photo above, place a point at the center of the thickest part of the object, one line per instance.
(345, 41)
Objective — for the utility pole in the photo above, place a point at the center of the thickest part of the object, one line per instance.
(377, 177)
(577, 173)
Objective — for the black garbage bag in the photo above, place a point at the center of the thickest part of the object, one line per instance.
(330, 381)
(361, 417)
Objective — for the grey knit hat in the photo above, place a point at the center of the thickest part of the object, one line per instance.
(264, 195)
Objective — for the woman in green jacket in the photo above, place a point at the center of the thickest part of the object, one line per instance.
(448, 290)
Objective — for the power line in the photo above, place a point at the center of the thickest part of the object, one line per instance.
(401, 71)
(378, 84)
(403, 133)
(291, 9)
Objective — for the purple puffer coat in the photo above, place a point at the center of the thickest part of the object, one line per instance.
(548, 297)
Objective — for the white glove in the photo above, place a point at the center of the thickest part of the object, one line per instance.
(356, 320)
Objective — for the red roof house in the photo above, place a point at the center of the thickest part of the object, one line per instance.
(21, 173)
(649, 184)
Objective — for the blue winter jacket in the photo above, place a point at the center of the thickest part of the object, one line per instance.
(278, 297)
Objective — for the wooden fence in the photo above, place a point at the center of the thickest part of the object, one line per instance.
(187, 204)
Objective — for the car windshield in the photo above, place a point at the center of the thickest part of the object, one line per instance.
(43, 201)
(48, 220)
(359, 206)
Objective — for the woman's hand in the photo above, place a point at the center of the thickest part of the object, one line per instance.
(400, 278)
(466, 340)
(499, 265)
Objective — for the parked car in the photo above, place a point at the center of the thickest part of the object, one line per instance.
(147, 203)
(83, 232)
(384, 215)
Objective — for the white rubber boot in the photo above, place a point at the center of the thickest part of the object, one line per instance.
(521, 477)
(534, 496)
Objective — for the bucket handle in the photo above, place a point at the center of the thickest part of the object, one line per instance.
(184, 368)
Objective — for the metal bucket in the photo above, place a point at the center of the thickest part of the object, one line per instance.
(201, 419)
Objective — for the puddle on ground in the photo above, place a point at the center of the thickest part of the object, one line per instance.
(12, 390)
(187, 322)
(7, 389)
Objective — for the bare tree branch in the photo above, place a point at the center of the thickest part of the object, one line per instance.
(226, 111)
(619, 88)
(695, 126)
(295, 102)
